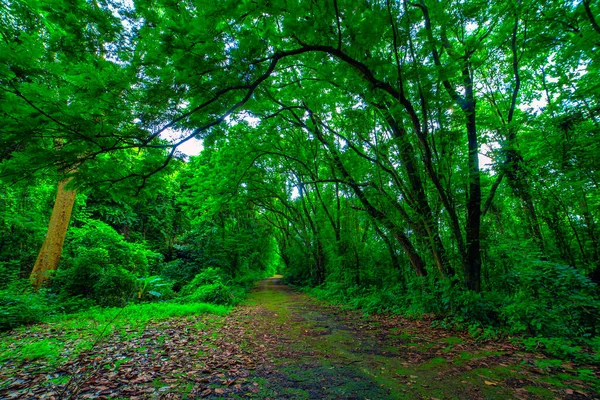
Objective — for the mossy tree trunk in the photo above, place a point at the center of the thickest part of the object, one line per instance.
(49, 255)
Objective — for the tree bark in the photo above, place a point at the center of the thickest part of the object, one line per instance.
(473, 228)
(51, 250)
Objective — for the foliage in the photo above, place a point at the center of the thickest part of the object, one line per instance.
(89, 326)
(100, 265)
(18, 308)
(208, 287)
(45, 348)
(21, 305)
(138, 314)
(552, 300)
(407, 157)
(216, 293)
(24, 214)
(153, 288)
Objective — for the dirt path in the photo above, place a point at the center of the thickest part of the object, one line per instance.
(323, 352)
(281, 344)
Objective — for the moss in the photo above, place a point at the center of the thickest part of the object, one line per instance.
(465, 356)
(454, 340)
(541, 392)
(434, 363)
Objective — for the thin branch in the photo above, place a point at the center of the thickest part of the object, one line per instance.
(337, 20)
(590, 14)
(494, 188)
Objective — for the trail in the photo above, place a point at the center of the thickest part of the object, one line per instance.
(282, 344)
(323, 352)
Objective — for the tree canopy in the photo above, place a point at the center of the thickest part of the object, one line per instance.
(430, 148)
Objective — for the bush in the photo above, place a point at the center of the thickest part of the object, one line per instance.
(216, 293)
(552, 300)
(134, 257)
(115, 287)
(100, 265)
(154, 287)
(207, 277)
(208, 287)
(180, 272)
(18, 308)
(92, 276)
(9, 272)
(21, 305)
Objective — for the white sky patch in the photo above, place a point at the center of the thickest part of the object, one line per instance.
(295, 193)
(251, 120)
(485, 162)
(471, 27)
(536, 106)
(191, 147)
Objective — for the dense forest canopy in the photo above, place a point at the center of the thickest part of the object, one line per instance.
(417, 157)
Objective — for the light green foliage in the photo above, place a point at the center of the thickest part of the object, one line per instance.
(138, 314)
(116, 251)
(341, 147)
(45, 348)
(99, 264)
(24, 214)
(154, 288)
(21, 305)
(89, 326)
(216, 293)
(208, 287)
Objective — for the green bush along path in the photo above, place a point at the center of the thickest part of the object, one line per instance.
(283, 344)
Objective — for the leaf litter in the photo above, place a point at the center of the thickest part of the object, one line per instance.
(284, 344)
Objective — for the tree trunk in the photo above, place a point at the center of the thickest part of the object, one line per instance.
(415, 259)
(473, 227)
(49, 255)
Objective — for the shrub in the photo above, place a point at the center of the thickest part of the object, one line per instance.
(134, 257)
(552, 300)
(19, 308)
(208, 287)
(154, 287)
(216, 293)
(100, 265)
(207, 277)
(115, 287)
(9, 272)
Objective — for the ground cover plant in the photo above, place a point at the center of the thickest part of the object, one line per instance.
(435, 161)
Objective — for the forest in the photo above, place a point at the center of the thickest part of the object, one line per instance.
(438, 161)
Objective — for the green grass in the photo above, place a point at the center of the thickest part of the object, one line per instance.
(45, 348)
(139, 314)
(79, 332)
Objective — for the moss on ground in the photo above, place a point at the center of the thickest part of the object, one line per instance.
(324, 358)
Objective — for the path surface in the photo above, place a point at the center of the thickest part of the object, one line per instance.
(282, 344)
(324, 352)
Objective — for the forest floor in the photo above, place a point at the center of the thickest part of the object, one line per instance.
(282, 344)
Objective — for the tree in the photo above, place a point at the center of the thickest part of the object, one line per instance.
(49, 255)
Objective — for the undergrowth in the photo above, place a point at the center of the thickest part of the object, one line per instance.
(48, 321)
(86, 328)
(552, 308)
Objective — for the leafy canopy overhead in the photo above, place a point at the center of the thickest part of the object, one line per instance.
(384, 103)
